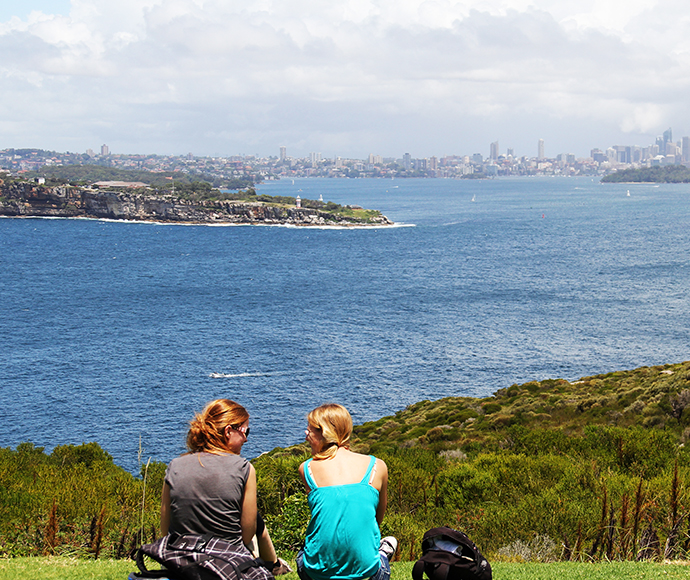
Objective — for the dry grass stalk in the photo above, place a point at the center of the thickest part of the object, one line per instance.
(650, 547)
(50, 534)
(577, 551)
(676, 520)
(611, 535)
(97, 540)
(637, 512)
(602, 525)
(624, 532)
(120, 552)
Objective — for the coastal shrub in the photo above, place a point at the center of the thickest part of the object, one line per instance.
(73, 501)
(289, 527)
(637, 451)
(276, 479)
(408, 529)
(491, 408)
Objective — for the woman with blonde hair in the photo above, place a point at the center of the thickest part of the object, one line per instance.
(211, 489)
(347, 495)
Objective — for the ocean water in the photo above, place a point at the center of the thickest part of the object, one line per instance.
(118, 332)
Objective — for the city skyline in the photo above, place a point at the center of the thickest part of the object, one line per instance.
(430, 78)
(664, 148)
(665, 151)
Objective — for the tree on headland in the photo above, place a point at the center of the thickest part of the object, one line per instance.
(656, 174)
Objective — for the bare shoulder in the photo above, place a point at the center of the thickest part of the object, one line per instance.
(381, 477)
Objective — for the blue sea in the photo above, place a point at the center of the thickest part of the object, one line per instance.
(118, 332)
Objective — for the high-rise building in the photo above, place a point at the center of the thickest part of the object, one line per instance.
(598, 155)
(663, 140)
(494, 151)
(407, 161)
(668, 136)
(540, 149)
(672, 149)
(283, 153)
(686, 149)
(105, 150)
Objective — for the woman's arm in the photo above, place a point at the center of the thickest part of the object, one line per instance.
(382, 472)
(165, 509)
(248, 516)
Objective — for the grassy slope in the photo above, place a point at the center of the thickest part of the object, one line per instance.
(73, 569)
(648, 397)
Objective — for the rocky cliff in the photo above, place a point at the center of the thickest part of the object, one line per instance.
(30, 200)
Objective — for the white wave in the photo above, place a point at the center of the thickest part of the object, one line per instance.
(335, 227)
(235, 376)
(220, 224)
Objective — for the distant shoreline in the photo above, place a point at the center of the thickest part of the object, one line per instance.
(353, 226)
(25, 199)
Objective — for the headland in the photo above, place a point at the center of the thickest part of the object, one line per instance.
(122, 202)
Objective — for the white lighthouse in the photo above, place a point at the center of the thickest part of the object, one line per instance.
(298, 201)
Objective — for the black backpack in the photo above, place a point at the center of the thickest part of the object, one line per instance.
(448, 554)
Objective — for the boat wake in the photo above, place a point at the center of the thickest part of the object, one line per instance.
(235, 376)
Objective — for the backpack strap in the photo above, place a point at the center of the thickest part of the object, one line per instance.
(180, 572)
(418, 570)
(441, 572)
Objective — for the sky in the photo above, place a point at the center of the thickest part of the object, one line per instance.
(342, 77)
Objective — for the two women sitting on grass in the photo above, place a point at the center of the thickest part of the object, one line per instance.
(212, 490)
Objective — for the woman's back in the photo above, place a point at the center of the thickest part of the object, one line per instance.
(206, 492)
(212, 490)
(343, 535)
(343, 468)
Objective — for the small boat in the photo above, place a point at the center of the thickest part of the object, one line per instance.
(474, 197)
(628, 193)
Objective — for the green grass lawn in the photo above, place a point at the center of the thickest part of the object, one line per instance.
(61, 568)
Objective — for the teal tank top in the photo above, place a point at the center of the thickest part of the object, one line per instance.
(343, 536)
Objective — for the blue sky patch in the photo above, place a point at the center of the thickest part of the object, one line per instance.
(22, 8)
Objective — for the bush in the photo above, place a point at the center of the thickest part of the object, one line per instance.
(73, 501)
(289, 528)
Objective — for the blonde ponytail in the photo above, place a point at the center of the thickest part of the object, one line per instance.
(335, 423)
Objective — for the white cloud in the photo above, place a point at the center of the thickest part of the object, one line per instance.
(223, 75)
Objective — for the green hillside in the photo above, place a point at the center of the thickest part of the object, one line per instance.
(596, 469)
(650, 398)
(586, 470)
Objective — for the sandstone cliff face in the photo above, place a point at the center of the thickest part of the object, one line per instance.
(29, 200)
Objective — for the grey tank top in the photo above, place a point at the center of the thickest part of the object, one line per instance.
(206, 492)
